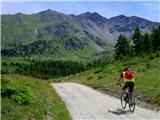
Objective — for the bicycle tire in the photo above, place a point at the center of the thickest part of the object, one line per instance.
(132, 107)
(123, 102)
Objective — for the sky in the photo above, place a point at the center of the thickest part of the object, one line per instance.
(145, 8)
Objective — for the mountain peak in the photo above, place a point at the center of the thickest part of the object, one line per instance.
(49, 11)
(97, 18)
(19, 13)
(95, 13)
(122, 16)
(50, 15)
(118, 17)
(94, 17)
(89, 14)
(86, 14)
(139, 18)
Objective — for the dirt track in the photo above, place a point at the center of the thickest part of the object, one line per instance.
(84, 103)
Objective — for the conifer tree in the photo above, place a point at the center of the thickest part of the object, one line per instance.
(147, 44)
(156, 38)
(122, 48)
(137, 38)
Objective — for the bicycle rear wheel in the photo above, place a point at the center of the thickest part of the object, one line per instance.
(132, 104)
(123, 101)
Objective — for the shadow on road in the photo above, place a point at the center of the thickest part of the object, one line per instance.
(119, 111)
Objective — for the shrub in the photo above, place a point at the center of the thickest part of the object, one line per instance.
(147, 65)
(89, 78)
(7, 89)
(157, 54)
(18, 93)
(4, 64)
(151, 57)
(107, 71)
(100, 77)
(97, 71)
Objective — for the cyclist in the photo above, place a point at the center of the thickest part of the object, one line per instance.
(127, 77)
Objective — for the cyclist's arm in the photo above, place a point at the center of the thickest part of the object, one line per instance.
(120, 78)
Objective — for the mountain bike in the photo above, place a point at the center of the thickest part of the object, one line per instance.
(126, 99)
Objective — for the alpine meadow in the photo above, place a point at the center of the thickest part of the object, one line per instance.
(49, 46)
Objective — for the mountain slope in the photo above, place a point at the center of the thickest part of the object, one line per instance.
(110, 29)
(63, 36)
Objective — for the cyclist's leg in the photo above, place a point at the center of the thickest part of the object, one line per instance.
(130, 90)
(124, 88)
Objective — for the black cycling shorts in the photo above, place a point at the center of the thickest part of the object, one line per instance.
(129, 85)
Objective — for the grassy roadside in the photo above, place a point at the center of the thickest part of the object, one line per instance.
(30, 99)
(147, 71)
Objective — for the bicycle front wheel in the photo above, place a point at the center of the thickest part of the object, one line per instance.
(123, 101)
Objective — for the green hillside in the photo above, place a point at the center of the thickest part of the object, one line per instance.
(26, 98)
(48, 33)
(22, 29)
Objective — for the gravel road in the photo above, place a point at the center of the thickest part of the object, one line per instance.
(85, 103)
